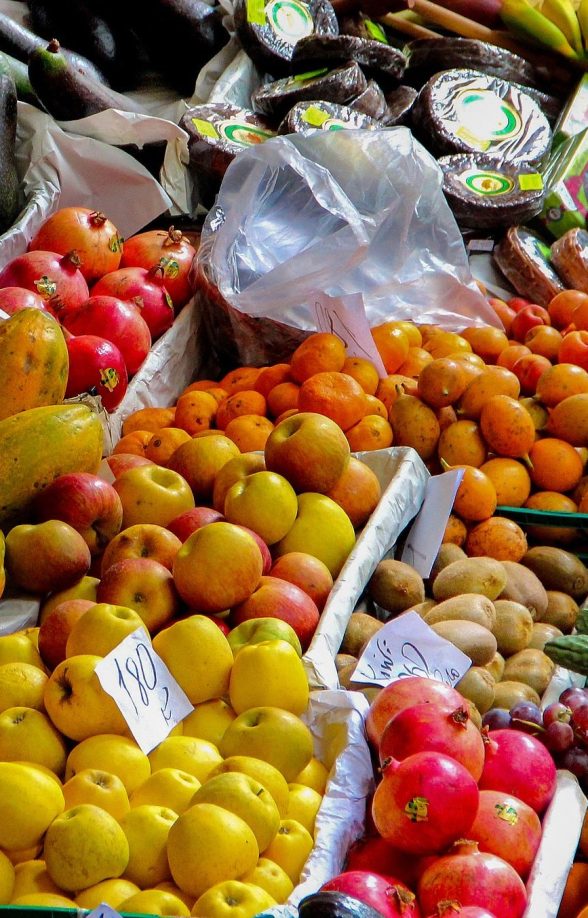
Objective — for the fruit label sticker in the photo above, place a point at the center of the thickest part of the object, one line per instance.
(346, 318)
(45, 287)
(417, 809)
(148, 696)
(407, 646)
(109, 378)
(507, 812)
(115, 243)
(256, 12)
(170, 267)
(205, 128)
(241, 133)
(531, 181)
(291, 20)
(426, 533)
(484, 119)
(486, 183)
(315, 116)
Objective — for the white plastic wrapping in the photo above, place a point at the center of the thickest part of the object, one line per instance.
(403, 477)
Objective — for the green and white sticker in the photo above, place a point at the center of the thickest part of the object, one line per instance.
(291, 20)
(241, 133)
(485, 119)
(486, 183)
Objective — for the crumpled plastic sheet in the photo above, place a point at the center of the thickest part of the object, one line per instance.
(17, 612)
(336, 719)
(403, 477)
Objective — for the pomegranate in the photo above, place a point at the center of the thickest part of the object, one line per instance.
(96, 364)
(432, 727)
(424, 803)
(472, 877)
(404, 693)
(389, 896)
(171, 251)
(56, 278)
(13, 299)
(507, 827)
(116, 321)
(374, 853)
(90, 232)
(145, 288)
(517, 763)
(452, 909)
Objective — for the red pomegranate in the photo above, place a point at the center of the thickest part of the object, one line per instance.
(96, 364)
(432, 727)
(56, 278)
(387, 895)
(171, 251)
(454, 910)
(507, 827)
(519, 764)
(13, 299)
(404, 693)
(115, 320)
(146, 289)
(424, 803)
(471, 877)
(374, 853)
(90, 232)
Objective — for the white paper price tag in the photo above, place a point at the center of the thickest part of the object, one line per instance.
(406, 646)
(426, 533)
(149, 698)
(346, 318)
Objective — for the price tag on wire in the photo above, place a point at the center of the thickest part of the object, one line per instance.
(148, 696)
(346, 318)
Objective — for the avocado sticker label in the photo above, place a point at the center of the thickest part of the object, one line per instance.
(531, 181)
(417, 809)
(256, 12)
(241, 133)
(144, 690)
(109, 378)
(205, 128)
(115, 243)
(45, 287)
(507, 812)
(375, 31)
(170, 267)
(291, 20)
(484, 119)
(486, 183)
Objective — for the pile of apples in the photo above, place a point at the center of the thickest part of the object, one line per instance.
(112, 297)
(456, 815)
(220, 813)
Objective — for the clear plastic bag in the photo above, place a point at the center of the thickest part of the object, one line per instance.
(338, 212)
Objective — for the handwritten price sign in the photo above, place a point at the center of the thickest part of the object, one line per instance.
(407, 646)
(149, 698)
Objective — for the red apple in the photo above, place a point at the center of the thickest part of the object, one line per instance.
(516, 303)
(115, 320)
(88, 503)
(220, 623)
(307, 572)
(528, 369)
(386, 894)
(96, 364)
(374, 853)
(275, 598)
(54, 630)
(189, 521)
(265, 552)
(13, 299)
(144, 585)
(122, 462)
(527, 318)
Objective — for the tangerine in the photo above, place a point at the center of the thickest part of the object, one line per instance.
(544, 340)
(498, 538)
(357, 491)
(149, 419)
(134, 442)
(392, 344)
(486, 341)
(412, 331)
(239, 379)
(268, 377)
(416, 359)
(446, 416)
(195, 411)
(283, 397)
(445, 344)
(336, 395)
(319, 353)
(507, 427)
(373, 405)
(471, 364)
(391, 387)
(372, 432)
(247, 401)
(364, 372)
(249, 432)
(164, 443)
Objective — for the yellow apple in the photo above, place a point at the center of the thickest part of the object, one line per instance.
(208, 844)
(151, 494)
(119, 755)
(29, 802)
(84, 846)
(100, 629)
(268, 673)
(21, 685)
(256, 630)
(32, 877)
(200, 459)
(29, 734)
(271, 734)
(303, 805)
(322, 529)
(261, 771)
(234, 470)
(232, 899)
(198, 655)
(111, 892)
(44, 900)
(290, 848)
(155, 902)
(170, 887)
(76, 702)
(146, 828)
(209, 720)
(16, 648)
(85, 588)
(314, 775)
(245, 797)
(188, 753)
(264, 502)
(272, 878)
(7, 877)
(167, 787)
(102, 788)
(308, 449)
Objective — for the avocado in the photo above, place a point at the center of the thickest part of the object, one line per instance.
(9, 183)
(18, 71)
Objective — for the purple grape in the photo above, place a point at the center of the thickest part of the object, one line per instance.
(576, 761)
(496, 719)
(558, 737)
(527, 717)
(573, 697)
(556, 713)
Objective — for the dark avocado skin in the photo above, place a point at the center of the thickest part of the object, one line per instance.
(335, 905)
(79, 25)
(68, 94)
(181, 36)
(18, 71)
(19, 42)
(9, 183)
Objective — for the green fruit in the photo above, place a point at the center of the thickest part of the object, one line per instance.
(257, 630)
(570, 651)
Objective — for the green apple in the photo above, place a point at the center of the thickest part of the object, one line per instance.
(264, 502)
(257, 630)
(322, 529)
(273, 735)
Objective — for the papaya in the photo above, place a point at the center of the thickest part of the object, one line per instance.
(33, 362)
(38, 445)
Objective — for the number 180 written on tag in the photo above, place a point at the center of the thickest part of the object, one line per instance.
(148, 696)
